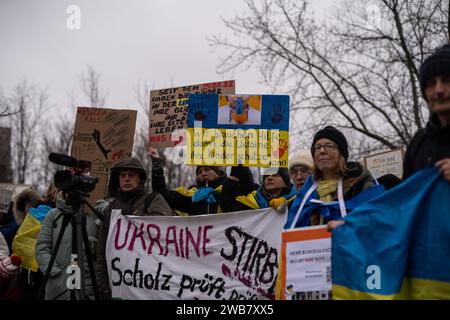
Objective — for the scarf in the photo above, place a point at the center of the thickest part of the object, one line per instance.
(329, 210)
(204, 193)
(327, 189)
(263, 202)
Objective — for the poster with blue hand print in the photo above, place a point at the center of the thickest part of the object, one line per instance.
(227, 130)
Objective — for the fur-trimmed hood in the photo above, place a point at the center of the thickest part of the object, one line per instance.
(124, 164)
(26, 197)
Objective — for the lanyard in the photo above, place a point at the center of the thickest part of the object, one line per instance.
(341, 198)
(308, 194)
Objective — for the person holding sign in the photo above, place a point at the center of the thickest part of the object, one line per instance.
(126, 191)
(203, 198)
(431, 145)
(239, 191)
(334, 178)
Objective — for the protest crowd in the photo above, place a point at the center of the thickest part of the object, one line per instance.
(322, 186)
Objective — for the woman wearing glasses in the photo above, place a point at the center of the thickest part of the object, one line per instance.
(336, 186)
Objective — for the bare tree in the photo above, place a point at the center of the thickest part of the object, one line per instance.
(357, 70)
(5, 110)
(31, 104)
(57, 138)
(90, 86)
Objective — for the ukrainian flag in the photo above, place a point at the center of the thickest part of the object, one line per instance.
(396, 246)
(24, 242)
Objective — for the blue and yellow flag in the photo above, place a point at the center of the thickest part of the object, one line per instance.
(24, 242)
(225, 130)
(396, 246)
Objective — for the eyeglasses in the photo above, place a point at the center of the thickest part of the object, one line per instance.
(301, 171)
(326, 146)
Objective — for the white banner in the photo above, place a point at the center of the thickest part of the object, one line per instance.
(223, 256)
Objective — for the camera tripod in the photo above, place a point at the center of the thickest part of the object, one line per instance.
(77, 219)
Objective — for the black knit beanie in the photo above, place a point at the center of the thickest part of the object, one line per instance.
(215, 169)
(437, 64)
(334, 135)
(284, 173)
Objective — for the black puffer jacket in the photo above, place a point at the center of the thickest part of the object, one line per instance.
(356, 180)
(428, 146)
(180, 199)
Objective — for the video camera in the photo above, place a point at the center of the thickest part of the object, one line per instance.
(74, 179)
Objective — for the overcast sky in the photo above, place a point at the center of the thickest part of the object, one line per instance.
(159, 42)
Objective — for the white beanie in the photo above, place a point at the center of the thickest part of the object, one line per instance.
(303, 158)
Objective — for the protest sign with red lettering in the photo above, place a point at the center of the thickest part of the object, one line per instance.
(169, 108)
(231, 256)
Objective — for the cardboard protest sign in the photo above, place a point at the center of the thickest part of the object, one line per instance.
(306, 264)
(231, 256)
(385, 162)
(7, 193)
(226, 130)
(169, 107)
(103, 137)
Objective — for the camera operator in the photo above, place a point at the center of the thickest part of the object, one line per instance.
(56, 288)
(126, 191)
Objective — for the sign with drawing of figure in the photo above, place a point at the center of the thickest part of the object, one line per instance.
(103, 137)
(243, 110)
(227, 130)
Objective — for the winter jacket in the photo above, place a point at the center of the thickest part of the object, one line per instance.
(246, 195)
(9, 227)
(4, 249)
(10, 289)
(356, 185)
(56, 288)
(183, 200)
(132, 203)
(428, 146)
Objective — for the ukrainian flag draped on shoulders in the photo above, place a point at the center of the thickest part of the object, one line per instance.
(256, 199)
(396, 246)
(24, 242)
(328, 210)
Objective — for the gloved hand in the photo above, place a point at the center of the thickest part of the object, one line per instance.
(242, 173)
(236, 171)
(9, 268)
(279, 204)
(101, 206)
